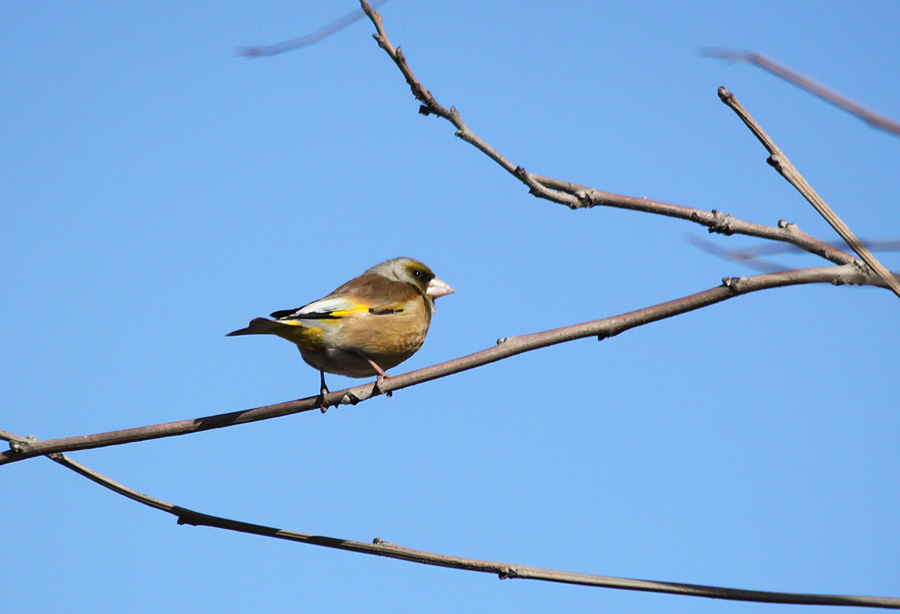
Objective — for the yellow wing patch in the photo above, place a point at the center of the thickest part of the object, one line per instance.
(340, 313)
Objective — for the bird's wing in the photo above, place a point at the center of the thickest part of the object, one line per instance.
(328, 308)
(368, 294)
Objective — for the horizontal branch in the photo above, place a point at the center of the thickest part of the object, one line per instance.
(506, 347)
(715, 221)
(504, 571)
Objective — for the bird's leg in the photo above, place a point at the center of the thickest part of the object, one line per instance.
(323, 390)
(381, 376)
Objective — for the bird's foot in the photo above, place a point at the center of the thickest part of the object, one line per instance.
(379, 382)
(323, 390)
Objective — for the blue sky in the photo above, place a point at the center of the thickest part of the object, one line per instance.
(158, 191)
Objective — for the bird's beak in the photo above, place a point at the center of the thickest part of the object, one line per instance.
(436, 288)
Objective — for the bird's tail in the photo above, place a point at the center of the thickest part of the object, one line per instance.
(257, 326)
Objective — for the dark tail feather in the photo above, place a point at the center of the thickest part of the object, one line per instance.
(257, 326)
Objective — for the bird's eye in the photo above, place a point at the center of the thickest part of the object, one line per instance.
(418, 273)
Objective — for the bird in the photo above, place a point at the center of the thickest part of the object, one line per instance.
(368, 325)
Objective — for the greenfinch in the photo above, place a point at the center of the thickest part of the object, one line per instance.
(366, 326)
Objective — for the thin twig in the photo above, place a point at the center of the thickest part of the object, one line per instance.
(812, 86)
(780, 162)
(506, 347)
(504, 571)
(715, 221)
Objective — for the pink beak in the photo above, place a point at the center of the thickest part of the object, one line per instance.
(436, 288)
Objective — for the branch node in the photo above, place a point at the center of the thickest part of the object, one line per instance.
(732, 284)
(724, 95)
(349, 399)
(502, 340)
(425, 110)
(789, 226)
(584, 200)
(378, 541)
(778, 162)
(18, 446)
(721, 223)
(508, 572)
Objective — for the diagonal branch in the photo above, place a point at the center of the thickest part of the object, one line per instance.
(506, 347)
(504, 571)
(869, 116)
(780, 162)
(577, 196)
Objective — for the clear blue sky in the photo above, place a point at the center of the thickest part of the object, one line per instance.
(156, 192)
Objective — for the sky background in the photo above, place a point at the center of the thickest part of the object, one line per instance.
(157, 192)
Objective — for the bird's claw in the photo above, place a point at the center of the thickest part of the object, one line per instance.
(379, 385)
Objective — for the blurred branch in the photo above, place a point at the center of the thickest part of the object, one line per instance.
(753, 256)
(307, 39)
(504, 571)
(814, 87)
(509, 346)
(780, 162)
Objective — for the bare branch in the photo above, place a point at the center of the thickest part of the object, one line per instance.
(780, 162)
(577, 196)
(506, 347)
(715, 221)
(874, 118)
(504, 571)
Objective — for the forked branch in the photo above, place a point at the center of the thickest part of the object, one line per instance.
(780, 162)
